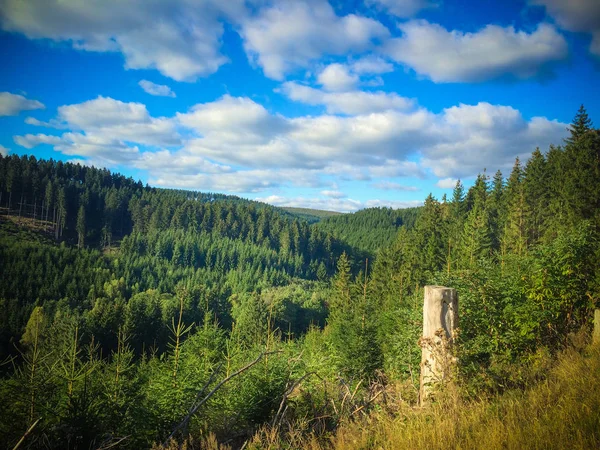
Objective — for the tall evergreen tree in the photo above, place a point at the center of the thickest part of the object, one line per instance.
(580, 126)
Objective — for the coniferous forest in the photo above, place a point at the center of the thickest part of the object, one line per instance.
(136, 317)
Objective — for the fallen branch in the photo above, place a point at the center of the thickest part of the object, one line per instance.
(195, 408)
(285, 395)
(26, 434)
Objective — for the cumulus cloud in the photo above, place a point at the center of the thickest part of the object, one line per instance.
(403, 8)
(396, 204)
(235, 144)
(395, 168)
(33, 140)
(492, 52)
(105, 117)
(351, 103)
(3, 150)
(333, 194)
(52, 123)
(325, 204)
(371, 64)
(179, 38)
(103, 150)
(474, 137)
(106, 130)
(238, 114)
(580, 16)
(335, 204)
(447, 183)
(336, 77)
(123, 121)
(392, 186)
(290, 35)
(159, 90)
(13, 104)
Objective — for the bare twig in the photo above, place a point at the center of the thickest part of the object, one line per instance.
(195, 408)
(285, 395)
(26, 434)
(112, 444)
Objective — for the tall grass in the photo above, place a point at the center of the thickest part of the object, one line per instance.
(560, 412)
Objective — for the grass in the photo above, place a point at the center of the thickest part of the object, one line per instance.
(311, 215)
(24, 229)
(559, 412)
(562, 411)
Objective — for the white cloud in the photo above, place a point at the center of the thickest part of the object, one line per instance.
(3, 150)
(236, 145)
(335, 204)
(396, 204)
(333, 194)
(159, 90)
(105, 130)
(33, 140)
(105, 117)
(371, 65)
(454, 56)
(576, 15)
(474, 137)
(178, 163)
(179, 38)
(403, 8)
(52, 123)
(447, 183)
(243, 181)
(325, 204)
(392, 186)
(13, 104)
(351, 103)
(292, 34)
(336, 77)
(228, 114)
(395, 168)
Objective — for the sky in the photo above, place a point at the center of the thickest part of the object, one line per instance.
(336, 105)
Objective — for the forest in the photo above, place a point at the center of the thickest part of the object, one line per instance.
(137, 317)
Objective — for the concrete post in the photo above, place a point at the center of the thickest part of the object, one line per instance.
(596, 338)
(440, 320)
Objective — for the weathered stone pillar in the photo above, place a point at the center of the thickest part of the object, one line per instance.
(596, 338)
(440, 320)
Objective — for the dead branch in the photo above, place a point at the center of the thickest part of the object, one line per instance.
(195, 408)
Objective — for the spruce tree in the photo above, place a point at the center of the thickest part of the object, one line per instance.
(580, 126)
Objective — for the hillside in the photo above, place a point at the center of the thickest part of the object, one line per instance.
(130, 316)
(311, 215)
(369, 229)
(561, 409)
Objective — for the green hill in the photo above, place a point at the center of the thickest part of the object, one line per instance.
(311, 215)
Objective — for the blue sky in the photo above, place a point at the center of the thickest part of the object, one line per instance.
(332, 105)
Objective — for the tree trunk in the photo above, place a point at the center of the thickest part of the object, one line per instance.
(596, 339)
(20, 208)
(440, 319)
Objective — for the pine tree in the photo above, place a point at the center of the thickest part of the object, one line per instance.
(535, 190)
(476, 238)
(341, 285)
(496, 210)
(514, 237)
(580, 126)
(81, 226)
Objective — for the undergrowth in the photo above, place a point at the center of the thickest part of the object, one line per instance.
(562, 410)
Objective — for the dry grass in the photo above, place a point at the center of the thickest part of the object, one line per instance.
(560, 412)
(563, 411)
